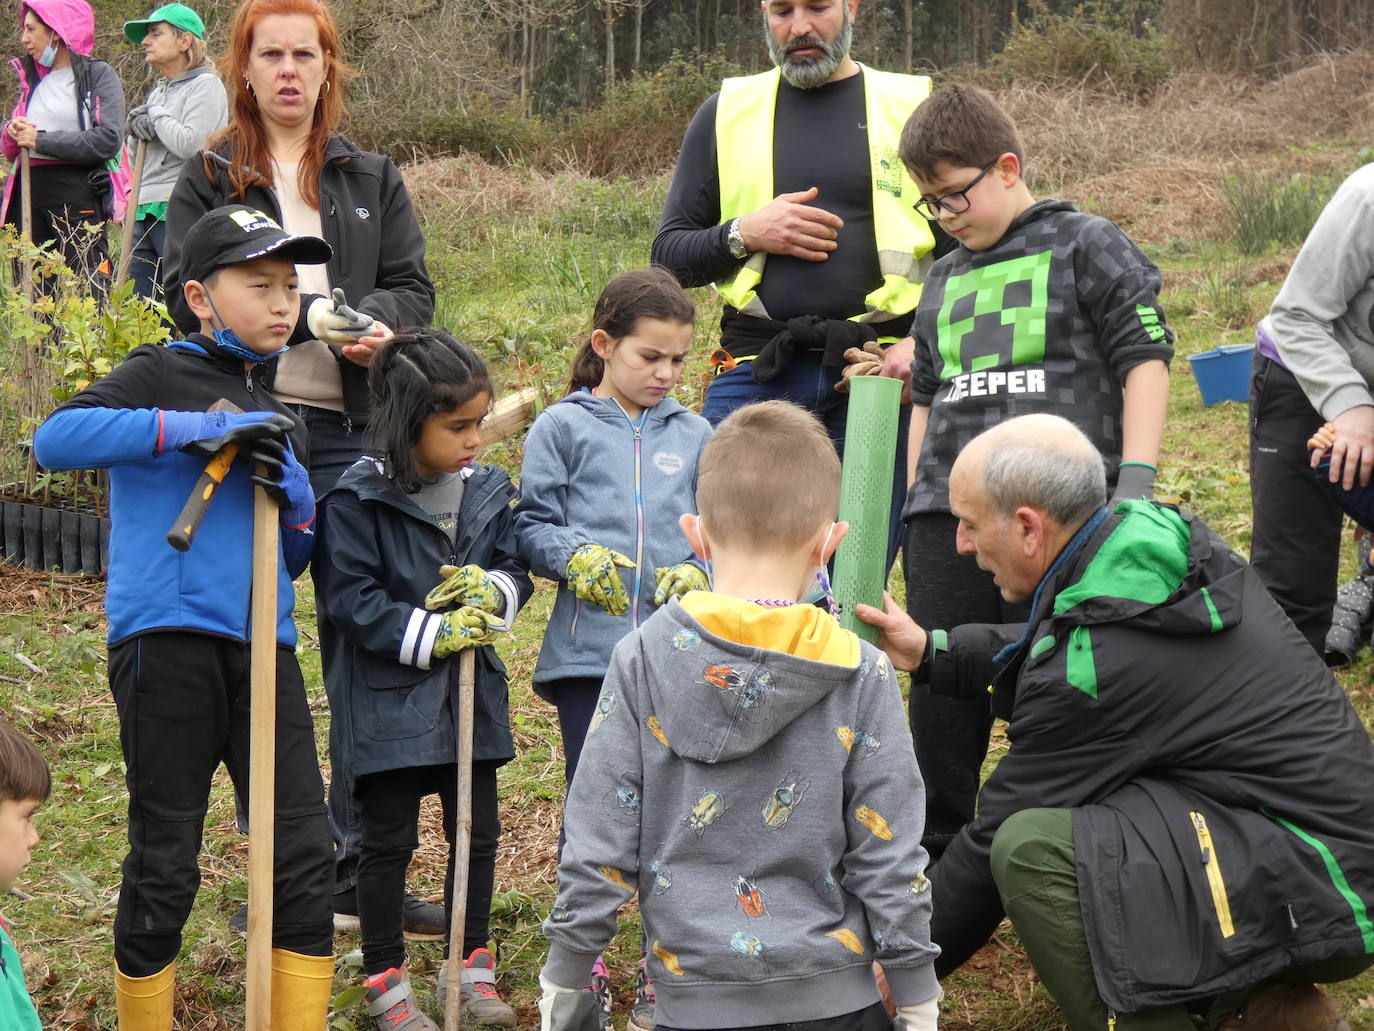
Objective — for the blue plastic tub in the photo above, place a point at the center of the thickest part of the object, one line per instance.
(1223, 373)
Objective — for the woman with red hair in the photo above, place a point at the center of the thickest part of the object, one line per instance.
(282, 153)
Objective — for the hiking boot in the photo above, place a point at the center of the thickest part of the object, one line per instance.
(1281, 1006)
(422, 921)
(481, 1004)
(391, 1004)
(642, 1012)
(601, 988)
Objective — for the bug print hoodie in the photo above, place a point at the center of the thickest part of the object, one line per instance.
(749, 773)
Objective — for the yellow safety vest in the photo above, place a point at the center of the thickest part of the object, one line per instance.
(744, 159)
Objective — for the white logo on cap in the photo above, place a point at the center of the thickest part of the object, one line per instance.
(251, 221)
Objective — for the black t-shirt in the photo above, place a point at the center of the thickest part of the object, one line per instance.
(820, 138)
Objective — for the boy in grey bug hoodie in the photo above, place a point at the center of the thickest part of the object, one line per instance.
(749, 773)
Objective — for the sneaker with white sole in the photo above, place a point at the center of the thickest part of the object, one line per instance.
(421, 920)
(481, 1004)
(642, 1012)
(391, 1003)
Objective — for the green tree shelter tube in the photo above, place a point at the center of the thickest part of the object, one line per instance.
(870, 451)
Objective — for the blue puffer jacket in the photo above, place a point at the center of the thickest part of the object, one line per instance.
(392, 702)
(592, 476)
(116, 424)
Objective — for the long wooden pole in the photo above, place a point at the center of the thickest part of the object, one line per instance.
(126, 246)
(262, 748)
(26, 211)
(462, 841)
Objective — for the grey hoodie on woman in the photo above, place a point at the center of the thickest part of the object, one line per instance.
(590, 476)
(185, 110)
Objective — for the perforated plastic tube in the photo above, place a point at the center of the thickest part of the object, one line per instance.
(870, 451)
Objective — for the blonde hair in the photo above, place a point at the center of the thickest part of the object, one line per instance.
(769, 478)
(198, 53)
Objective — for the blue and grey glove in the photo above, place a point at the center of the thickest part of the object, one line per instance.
(1135, 481)
(141, 125)
(285, 479)
(204, 433)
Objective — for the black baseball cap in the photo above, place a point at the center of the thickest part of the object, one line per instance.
(236, 233)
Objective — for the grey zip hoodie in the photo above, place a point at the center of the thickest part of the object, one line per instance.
(591, 475)
(768, 810)
(1321, 319)
(184, 110)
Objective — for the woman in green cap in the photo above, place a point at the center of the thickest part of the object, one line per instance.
(185, 105)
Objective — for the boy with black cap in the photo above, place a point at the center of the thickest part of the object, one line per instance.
(179, 621)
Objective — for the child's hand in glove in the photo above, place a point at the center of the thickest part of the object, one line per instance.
(865, 362)
(463, 628)
(675, 581)
(334, 322)
(463, 586)
(592, 576)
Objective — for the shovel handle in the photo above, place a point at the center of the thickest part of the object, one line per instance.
(184, 529)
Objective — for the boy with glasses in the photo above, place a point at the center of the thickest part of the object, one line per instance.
(1043, 308)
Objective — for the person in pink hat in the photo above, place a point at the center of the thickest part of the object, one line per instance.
(69, 118)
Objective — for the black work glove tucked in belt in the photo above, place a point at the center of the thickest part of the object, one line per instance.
(808, 333)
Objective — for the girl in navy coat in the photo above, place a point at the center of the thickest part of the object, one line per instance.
(414, 512)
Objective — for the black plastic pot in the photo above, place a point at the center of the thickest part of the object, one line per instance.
(53, 539)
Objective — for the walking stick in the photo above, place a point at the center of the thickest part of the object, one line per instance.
(462, 840)
(262, 748)
(126, 245)
(26, 211)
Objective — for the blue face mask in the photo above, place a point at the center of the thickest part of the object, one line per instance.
(229, 341)
(49, 54)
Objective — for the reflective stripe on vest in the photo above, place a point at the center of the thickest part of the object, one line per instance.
(744, 161)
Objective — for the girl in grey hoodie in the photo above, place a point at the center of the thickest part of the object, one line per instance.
(606, 475)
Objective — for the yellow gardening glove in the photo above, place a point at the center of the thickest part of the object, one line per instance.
(867, 361)
(463, 628)
(675, 581)
(466, 585)
(592, 577)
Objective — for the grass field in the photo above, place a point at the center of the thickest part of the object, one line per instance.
(518, 271)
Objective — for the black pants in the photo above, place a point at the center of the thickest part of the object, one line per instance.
(575, 699)
(1296, 544)
(183, 701)
(872, 1018)
(69, 211)
(389, 807)
(944, 590)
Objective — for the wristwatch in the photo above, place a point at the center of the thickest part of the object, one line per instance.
(735, 239)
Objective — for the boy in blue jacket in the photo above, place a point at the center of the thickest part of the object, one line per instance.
(179, 621)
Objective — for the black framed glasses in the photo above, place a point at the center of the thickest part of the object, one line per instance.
(955, 203)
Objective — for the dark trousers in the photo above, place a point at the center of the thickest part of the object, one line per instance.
(872, 1018)
(944, 590)
(1033, 864)
(805, 382)
(69, 212)
(389, 804)
(575, 698)
(1295, 546)
(145, 261)
(183, 702)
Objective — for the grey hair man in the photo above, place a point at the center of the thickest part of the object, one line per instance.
(1172, 826)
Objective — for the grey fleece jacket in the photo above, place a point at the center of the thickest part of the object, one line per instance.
(185, 110)
(1320, 320)
(768, 810)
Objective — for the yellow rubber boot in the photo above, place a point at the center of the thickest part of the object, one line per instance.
(301, 989)
(145, 1003)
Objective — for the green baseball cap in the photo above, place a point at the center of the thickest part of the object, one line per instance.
(178, 15)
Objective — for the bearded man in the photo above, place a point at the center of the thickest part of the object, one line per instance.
(790, 198)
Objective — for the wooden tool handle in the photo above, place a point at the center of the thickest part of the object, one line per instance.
(198, 501)
(26, 210)
(462, 840)
(126, 247)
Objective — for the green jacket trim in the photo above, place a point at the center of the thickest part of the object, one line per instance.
(1079, 668)
(1217, 622)
(1143, 560)
(1338, 879)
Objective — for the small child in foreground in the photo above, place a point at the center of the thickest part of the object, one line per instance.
(24, 785)
(750, 774)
